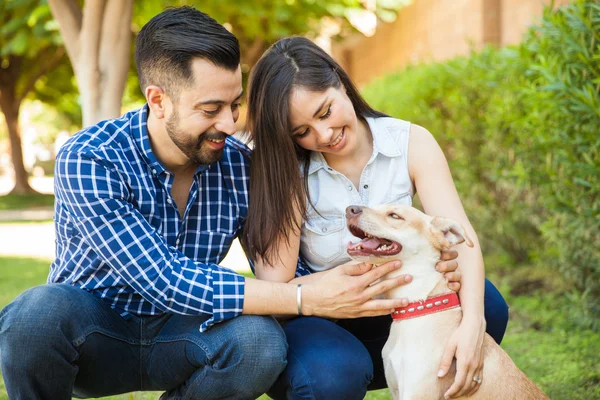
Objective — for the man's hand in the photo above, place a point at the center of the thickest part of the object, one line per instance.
(448, 266)
(348, 291)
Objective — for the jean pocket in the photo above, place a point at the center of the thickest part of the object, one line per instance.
(324, 235)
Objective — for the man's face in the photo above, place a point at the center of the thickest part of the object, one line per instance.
(205, 112)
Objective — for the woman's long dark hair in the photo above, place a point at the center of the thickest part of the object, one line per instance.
(277, 188)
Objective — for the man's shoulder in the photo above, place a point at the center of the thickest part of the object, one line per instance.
(111, 137)
(236, 151)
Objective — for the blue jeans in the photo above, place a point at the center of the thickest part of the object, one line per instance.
(342, 360)
(57, 341)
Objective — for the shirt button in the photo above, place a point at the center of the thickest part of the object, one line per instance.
(177, 242)
(324, 229)
(169, 201)
(154, 171)
(350, 187)
(366, 186)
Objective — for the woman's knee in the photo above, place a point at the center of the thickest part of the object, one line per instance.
(324, 362)
(496, 312)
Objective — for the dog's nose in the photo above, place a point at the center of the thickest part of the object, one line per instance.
(353, 211)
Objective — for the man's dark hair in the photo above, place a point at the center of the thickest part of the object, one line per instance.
(166, 45)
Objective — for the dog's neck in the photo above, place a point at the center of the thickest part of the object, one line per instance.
(426, 281)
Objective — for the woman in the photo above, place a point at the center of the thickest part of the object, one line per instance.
(320, 147)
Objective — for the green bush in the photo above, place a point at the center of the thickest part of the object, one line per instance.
(468, 103)
(521, 129)
(564, 123)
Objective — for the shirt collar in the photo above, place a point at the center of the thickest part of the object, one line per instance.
(383, 143)
(139, 128)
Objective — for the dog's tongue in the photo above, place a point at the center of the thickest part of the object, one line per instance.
(368, 243)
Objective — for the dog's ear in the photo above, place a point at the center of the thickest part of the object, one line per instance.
(449, 232)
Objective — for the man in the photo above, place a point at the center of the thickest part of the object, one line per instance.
(147, 205)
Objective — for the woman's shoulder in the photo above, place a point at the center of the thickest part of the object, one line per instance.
(390, 133)
(400, 127)
(390, 123)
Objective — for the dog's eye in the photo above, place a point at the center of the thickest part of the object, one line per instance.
(395, 216)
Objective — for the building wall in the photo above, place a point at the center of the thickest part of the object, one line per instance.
(435, 30)
(517, 15)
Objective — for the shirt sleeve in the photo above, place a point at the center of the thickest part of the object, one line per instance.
(302, 268)
(100, 205)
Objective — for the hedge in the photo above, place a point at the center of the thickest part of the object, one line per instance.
(521, 129)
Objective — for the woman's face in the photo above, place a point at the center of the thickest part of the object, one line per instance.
(324, 121)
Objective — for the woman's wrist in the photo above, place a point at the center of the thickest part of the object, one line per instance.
(474, 318)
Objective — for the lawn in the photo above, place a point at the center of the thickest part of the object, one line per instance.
(26, 201)
(543, 339)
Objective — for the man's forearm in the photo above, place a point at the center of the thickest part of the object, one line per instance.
(265, 297)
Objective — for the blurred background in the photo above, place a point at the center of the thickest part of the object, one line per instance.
(510, 89)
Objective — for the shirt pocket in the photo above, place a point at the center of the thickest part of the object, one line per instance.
(324, 237)
(394, 198)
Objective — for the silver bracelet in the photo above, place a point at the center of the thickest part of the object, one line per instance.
(299, 298)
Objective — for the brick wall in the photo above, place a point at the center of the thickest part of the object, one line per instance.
(429, 30)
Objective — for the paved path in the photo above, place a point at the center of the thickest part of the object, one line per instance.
(36, 239)
(39, 214)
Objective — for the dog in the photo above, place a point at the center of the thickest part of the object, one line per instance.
(419, 332)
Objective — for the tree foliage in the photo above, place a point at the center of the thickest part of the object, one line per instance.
(30, 49)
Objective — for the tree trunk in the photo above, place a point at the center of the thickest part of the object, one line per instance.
(10, 108)
(98, 42)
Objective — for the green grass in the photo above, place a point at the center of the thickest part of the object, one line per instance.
(26, 201)
(545, 337)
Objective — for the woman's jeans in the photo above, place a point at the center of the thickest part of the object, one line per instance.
(57, 341)
(342, 360)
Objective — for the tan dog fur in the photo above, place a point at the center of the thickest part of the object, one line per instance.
(414, 349)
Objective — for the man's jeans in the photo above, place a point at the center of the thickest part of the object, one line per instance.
(342, 360)
(57, 341)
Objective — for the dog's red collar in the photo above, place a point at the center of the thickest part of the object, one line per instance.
(430, 306)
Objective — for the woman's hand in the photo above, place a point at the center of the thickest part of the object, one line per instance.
(466, 345)
(448, 266)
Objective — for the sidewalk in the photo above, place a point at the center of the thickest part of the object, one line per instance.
(38, 214)
(37, 239)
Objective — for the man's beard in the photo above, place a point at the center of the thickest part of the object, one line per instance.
(194, 149)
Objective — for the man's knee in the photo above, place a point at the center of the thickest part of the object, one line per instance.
(261, 342)
(252, 357)
(34, 312)
(31, 327)
(255, 351)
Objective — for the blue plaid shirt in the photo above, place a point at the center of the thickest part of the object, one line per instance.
(119, 234)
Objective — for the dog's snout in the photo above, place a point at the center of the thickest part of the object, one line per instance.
(353, 211)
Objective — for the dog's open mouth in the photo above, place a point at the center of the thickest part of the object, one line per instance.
(371, 245)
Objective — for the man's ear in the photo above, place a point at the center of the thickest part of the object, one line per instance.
(449, 232)
(156, 97)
